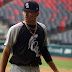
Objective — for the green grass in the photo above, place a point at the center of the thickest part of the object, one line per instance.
(60, 64)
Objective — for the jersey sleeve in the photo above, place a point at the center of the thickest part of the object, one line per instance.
(46, 39)
(12, 35)
(10, 38)
(45, 43)
(46, 55)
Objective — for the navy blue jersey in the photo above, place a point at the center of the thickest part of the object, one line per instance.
(26, 47)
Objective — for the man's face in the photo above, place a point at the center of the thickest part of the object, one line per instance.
(30, 15)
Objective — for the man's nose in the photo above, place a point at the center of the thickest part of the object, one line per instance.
(26, 13)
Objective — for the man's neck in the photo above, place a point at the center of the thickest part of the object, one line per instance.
(30, 23)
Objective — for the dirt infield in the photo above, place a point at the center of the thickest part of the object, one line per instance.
(62, 58)
(44, 70)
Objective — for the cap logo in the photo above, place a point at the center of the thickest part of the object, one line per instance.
(27, 5)
(36, 8)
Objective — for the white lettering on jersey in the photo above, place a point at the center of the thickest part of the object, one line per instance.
(27, 5)
(33, 45)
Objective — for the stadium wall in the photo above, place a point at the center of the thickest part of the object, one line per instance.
(60, 50)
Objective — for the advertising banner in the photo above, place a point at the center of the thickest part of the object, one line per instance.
(58, 50)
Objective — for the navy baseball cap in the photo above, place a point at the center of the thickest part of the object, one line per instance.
(31, 5)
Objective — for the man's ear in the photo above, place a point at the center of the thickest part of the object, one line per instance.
(38, 13)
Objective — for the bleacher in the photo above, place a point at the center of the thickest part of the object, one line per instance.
(3, 2)
(55, 14)
(3, 31)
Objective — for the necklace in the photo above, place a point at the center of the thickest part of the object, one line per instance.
(31, 28)
(33, 33)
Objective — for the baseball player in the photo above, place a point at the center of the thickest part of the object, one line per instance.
(28, 39)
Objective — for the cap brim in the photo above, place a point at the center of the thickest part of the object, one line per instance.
(30, 9)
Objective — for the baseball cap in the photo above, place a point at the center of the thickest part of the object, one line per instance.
(31, 5)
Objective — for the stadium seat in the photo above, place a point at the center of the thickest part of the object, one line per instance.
(11, 21)
(20, 3)
(23, 1)
(69, 33)
(8, 0)
(17, 22)
(59, 37)
(62, 25)
(17, 10)
(11, 18)
(38, 1)
(6, 15)
(1, 13)
(17, 18)
(5, 1)
(1, 2)
(53, 28)
(64, 37)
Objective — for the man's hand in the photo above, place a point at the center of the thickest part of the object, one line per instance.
(53, 67)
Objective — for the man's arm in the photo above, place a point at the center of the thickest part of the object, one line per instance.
(53, 67)
(4, 59)
(45, 52)
(48, 59)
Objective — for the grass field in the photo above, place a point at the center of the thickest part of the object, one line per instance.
(61, 64)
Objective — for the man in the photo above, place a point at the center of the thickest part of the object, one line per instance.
(28, 40)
